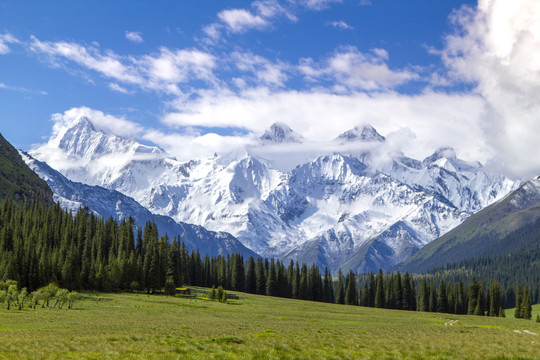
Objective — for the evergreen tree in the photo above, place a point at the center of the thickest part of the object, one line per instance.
(261, 278)
(271, 284)
(328, 287)
(442, 300)
(480, 307)
(473, 296)
(251, 281)
(526, 308)
(519, 301)
(432, 296)
(238, 274)
(379, 292)
(350, 291)
(423, 295)
(407, 302)
(340, 291)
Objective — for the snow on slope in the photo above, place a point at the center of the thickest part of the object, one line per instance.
(110, 203)
(337, 210)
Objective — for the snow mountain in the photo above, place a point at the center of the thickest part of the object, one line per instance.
(364, 133)
(108, 203)
(339, 210)
(281, 133)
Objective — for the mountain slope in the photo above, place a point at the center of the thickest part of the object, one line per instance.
(17, 181)
(339, 210)
(110, 203)
(482, 232)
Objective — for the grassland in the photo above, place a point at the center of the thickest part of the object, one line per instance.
(138, 326)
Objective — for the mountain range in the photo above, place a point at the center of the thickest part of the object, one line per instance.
(345, 209)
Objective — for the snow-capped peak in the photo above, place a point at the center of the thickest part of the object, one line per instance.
(364, 133)
(281, 133)
(444, 152)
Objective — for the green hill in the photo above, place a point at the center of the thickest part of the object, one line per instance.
(17, 181)
(486, 232)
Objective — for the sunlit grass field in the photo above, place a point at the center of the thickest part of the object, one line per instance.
(138, 326)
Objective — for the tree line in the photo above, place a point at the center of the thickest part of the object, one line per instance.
(40, 245)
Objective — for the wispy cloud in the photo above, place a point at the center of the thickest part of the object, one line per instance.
(318, 4)
(134, 36)
(262, 16)
(118, 88)
(5, 40)
(340, 25)
(265, 72)
(162, 71)
(354, 70)
(108, 64)
(22, 89)
(241, 20)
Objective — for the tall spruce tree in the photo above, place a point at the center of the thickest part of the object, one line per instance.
(379, 291)
(340, 291)
(251, 277)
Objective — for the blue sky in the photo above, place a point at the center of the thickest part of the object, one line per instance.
(428, 73)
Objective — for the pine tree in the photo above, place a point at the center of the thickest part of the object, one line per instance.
(519, 301)
(328, 287)
(480, 309)
(261, 279)
(251, 280)
(372, 289)
(442, 300)
(379, 292)
(238, 274)
(340, 291)
(350, 291)
(407, 301)
(423, 295)
(432, 296)
(526, 308)
(271, 285)
(473, 297)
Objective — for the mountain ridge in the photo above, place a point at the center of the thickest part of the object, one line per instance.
(336, 209)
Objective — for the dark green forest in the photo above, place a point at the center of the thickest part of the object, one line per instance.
(42, 244)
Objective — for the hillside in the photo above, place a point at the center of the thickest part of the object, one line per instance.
(486, 232)
(17, 181)
(138, 326)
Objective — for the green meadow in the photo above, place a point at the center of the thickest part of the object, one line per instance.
(140, 326)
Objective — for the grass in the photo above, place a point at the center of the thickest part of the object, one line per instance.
(138, 326)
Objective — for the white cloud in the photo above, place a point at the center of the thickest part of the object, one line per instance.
(241, 20)
(161, 72)
(118, 88)
(496, 46)
(186, 146)
(171, 67)
(318, 4)
(272, 8)
(134, 36)
(340, 25)
(22, 89)
(355, 70)
(436, 119)
(266, 72)
(6, 39)
(109, 64)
